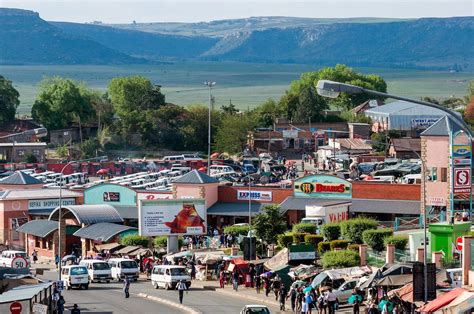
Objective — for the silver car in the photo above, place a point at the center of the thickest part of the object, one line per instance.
(345, 291)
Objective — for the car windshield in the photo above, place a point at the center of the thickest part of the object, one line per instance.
(101, 266)
(78, 271)
(258, 310)
(128, 264)
(178, 272)
(21, 254)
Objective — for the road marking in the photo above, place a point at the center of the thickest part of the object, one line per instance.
(185, 308)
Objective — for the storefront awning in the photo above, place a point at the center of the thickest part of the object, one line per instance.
(103, 231)
(300, 203)
(128, 249)
(108, 246)
(88, 214)
(234, 209)
(40, 227)
(385, 206)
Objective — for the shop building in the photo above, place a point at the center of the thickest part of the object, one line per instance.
(20, 180)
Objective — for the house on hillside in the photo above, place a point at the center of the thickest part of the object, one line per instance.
(17, 126)
(405, 148)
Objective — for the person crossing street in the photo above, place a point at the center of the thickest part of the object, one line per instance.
(181, 287)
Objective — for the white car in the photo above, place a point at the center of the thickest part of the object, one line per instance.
(123, 267)
(98, 270)
(7, 257)
(168, 276)
(75, 276)
(255, 309)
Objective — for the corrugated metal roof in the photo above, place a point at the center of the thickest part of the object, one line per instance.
(89, 214)
(385, 206)
(127, 212)
(37, 194)
(406, 144)
(103, 231)
(39, 227)
(442, 127)
(234, 209)
(196, 177)
(20, 178)
(24, 292)
(128, 249)
(354, 144)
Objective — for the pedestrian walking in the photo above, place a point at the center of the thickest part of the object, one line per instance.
(276, 285)
(181, 287)
(35, 256)
(266, 286)
(331, 300)
(282, 297)
(221, 279)
(235, 280)
(61, 303)
(355, 299)
(322, 304)
(258, 283)
(75, 310)
(292, 295)
(126, 287)
(307, 301)
(56, 261)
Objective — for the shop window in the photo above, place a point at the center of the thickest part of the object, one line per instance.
(15, 235)
(433, 174)
(37, 242)
(20, 152)
(36, 152)
(444, 174)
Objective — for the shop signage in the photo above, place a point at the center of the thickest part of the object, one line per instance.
(50, 203)
(243, 195)
(39, 308)
(301, 252)
(171, 217)
(290, 133)
(154, 196)
(462, 180)
(436, 201)
(462, 161)
(323, 186)
(111, 196)
(461, 150)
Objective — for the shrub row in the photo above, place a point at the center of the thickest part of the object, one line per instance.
(375, 238)
(399, 241)
(236, 230)
(352, 229)
(304, 227)
(331, 245)
(340, 259)
(331, 231)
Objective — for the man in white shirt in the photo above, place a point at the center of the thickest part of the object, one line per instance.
(181, 286)
(331, 300)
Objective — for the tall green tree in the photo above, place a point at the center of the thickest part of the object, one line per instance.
(195, 130)
(268, 112)
(231, 136)
(60, 103)
(269, 224)
(9, 100)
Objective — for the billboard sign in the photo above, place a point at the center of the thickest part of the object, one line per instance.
(322, 186)
(462, 180)
(462, 151)
(171, 217)
(423, 122)
(243, 195)
(154, 196)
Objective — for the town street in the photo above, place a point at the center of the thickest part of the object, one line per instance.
(109, 298)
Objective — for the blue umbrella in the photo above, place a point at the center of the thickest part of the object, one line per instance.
(355, 297)
(389, 305)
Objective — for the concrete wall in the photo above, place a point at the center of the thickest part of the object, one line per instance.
(407, 192)
(209, 192)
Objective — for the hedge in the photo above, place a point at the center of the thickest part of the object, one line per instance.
(284, 240)
(313, 239)
(375, 238)
(161, 242)
(353, 247)
(134, 240)
(324, 246)
(298, 237)
(340, 259)
(304, 228)
(340, 244)
(352, 229)
(236, 230)
(399, 241)
(331, 231)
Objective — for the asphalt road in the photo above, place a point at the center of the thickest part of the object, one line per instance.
(109, 298)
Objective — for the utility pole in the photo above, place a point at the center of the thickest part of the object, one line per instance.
(209, 84)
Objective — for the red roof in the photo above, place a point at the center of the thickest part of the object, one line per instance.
(239, 262)
(441, 301)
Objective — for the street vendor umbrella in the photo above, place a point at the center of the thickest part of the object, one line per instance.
(102, 171)
(298, 283)
(267, 274)
(355, 298)
(203, 169)
(389, 305)
(307, 289)
(215, 155)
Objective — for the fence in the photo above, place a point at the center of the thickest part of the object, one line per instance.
(376, 259)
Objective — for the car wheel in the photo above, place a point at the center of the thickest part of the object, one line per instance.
(155, 284)
(167, 286)
(86, 287)
(107, 281)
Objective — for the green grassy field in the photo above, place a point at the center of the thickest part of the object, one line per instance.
(247, 85)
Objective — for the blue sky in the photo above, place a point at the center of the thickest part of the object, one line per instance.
(125, 11)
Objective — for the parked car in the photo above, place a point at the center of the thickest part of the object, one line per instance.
(255, 309)
(98, 270)
(345, 291)
(123, 267)
(167, 276)
(75, 276)
(7, 257)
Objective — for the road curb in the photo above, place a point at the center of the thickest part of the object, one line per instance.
(248, 297)
(185, 308)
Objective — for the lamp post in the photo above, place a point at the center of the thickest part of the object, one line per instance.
(250, 219)
(332, 89)
(60, 248)
(209, 84)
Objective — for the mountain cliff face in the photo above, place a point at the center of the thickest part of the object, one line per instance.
(423, 43)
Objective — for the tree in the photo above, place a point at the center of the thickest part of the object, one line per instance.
(62, 151)
(469, 111)
(379, 141)
(89, 148)
(267, 113)
(9, 100)
(60, 103)
(229, 109)
(269, 224)
(231, 136)
(195, 130)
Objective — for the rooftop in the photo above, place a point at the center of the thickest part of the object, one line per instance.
(20, 178)
(36, 194)
(37, 144)
(195, 177)
(406, 144)
(405, 108)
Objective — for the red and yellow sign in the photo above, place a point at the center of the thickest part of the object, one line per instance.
(323, 186)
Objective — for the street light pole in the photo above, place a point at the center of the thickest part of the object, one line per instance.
(332, 89)
(250, 219)
(209, 84)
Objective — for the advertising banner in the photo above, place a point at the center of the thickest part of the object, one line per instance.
(323, 186)
(462, 180)
(461, 151)
(243, 195)
(154, 196)
(111, 196)
(171, 217)
(423, 122)
(301, 252)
